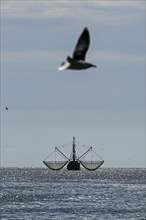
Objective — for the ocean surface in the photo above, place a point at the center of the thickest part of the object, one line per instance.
(105, 194)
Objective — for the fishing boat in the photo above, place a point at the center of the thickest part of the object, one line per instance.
(88, 158)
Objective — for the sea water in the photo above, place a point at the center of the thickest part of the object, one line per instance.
(42, 194)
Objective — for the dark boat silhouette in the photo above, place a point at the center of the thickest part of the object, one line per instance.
(74, 162)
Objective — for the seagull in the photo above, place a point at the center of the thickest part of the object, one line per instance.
(77, 62)
(6, 108)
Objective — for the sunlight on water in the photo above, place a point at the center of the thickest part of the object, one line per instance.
(43, 194)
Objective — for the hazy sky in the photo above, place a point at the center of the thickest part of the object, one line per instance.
(102, 107)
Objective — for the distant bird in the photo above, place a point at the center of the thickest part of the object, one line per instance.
(6, 108)
(77, 62)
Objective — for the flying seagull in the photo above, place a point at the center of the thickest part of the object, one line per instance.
(77, 62)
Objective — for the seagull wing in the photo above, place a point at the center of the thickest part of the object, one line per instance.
(82, 46)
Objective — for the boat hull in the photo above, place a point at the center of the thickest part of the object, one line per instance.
(73, 165)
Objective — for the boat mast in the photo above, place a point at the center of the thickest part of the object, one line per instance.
(73, 149)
